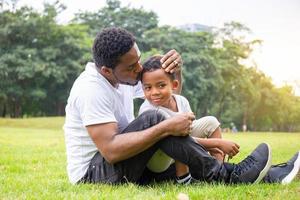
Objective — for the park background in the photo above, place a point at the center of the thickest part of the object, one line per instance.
(42, 53)
(226, 73)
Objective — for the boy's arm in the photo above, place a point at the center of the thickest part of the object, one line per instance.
(228, 147)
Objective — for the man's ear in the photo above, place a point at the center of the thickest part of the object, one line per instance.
(105, 70)
(175, 84)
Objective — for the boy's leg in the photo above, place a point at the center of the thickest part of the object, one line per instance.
(181, 169)
(168, 175)
(208, 127)
(183, 175)
(205, 127)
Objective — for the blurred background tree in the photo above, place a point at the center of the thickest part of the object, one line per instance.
(40, 59)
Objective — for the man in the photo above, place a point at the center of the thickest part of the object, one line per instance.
(104, 144)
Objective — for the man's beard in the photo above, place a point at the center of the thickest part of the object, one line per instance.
(128, 83)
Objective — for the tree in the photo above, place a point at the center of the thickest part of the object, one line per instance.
(39, 59)
(137, 21)
(236, 92)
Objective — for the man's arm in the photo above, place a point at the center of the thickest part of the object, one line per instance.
(178, 74)
(116, 147)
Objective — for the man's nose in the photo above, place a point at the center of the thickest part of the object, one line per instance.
(139, 68)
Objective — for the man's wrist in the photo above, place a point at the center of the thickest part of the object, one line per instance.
(164, 128)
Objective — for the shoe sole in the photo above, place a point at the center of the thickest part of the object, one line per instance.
(263, 172)
(294, 171)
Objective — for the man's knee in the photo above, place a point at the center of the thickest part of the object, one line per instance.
(146, 120)
(152, 116)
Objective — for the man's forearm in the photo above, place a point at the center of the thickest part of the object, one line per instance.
(115, 147)
(126, 145)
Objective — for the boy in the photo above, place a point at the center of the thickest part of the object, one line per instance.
(158, 86)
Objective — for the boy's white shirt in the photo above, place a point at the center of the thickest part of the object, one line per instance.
(183, 105)
(159, 162)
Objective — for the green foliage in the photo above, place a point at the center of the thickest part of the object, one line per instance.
(134, 20)
(40, 59)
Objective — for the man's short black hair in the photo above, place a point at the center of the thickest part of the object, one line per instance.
(110, 44)
(153, 63)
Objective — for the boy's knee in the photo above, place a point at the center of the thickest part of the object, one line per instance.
(205, 126)
(212, 121)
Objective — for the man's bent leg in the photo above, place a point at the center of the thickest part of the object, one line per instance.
(130, 169)
(202, 165)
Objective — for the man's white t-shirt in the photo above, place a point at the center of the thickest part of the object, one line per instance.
(93, 100)
(160, 161)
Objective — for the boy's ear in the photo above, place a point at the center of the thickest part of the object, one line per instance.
(175, 84)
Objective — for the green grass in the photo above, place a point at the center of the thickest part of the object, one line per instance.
(33, 166)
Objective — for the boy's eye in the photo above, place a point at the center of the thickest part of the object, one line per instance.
(146, 88)
(162, 85)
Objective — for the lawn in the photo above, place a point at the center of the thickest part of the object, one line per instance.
(33, 166)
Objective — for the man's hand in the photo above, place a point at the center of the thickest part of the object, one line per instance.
(228, 147)
(180, 124)
(171, 61)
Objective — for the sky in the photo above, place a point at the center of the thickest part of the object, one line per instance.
(276, 22)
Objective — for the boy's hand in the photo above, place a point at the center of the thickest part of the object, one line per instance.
(180, 124)
(228, 147)
(217, 153)
(171, 61)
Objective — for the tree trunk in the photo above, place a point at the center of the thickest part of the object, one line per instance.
(60, 108)
(245, 118)
(16, 110)
(3, 112)
(221, 105)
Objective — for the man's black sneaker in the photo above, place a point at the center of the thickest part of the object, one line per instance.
(284, 173)
(253, 168)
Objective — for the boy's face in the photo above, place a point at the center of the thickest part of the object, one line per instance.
(158, 87)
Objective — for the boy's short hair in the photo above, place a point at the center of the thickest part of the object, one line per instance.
(153, 63)
(110, 44)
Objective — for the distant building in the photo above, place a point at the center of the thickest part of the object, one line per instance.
(195, 27)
